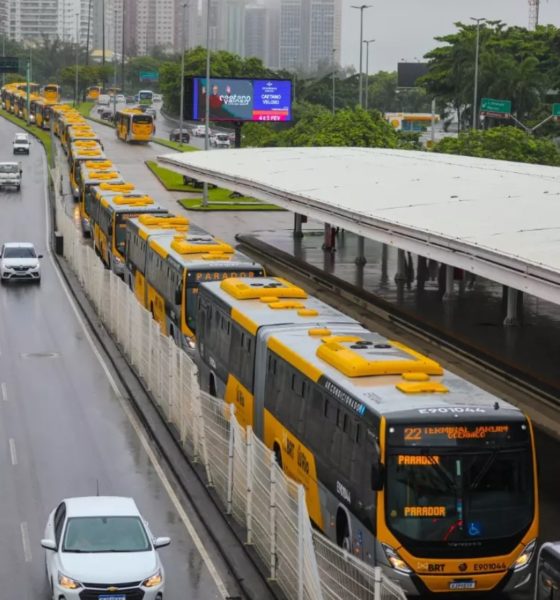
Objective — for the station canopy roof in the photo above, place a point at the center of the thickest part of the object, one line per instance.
(498, 219)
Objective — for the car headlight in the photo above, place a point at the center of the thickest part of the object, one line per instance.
(154, 580)
(395, 560)
(525, 557)
(67, 582)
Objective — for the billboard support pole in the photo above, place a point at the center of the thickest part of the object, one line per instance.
(238, 126)
(207, 99)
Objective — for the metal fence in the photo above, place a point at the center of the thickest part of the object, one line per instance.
(254, 490)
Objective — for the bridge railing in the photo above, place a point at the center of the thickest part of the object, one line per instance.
(254, 490)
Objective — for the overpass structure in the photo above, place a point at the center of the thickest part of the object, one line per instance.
(496, 219)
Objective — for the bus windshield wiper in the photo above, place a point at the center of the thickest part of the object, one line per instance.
(449, 483)
(485, 468)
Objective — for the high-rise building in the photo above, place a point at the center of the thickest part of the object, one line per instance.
(290, 42)
(257, 32)
(4, 17)
(26, 22)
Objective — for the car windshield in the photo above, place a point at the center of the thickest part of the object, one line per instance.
(8, 168)
(443, 489)
(19, 252)
(105, 534)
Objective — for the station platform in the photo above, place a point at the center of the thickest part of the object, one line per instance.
(472, 315)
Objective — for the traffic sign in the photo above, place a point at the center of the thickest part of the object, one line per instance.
(9, 64)
(556, 110)
(148, 76)
(499, 109)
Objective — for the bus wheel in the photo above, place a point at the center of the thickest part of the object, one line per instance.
(343, 531)
(278, 454)
(212, 387)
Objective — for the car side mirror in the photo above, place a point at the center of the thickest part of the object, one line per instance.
(21, 171)
(40, 256)
(161, 542)
(377, 476)
(48, 544)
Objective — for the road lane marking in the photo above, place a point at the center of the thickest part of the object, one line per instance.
(4, 392)
(25, 541)
(139, 432)
(13, 452)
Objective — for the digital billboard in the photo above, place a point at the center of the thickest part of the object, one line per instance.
(409, 73)
(239, 99)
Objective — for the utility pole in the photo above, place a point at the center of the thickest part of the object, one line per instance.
(361, 8)
(103, 31)
(181, 108)
(207, 99)
(77, 58)
(475, 99)
(88, 30)
(333, 79)
(115, 65)
(27, 99)
(123, 44)
(367, 43)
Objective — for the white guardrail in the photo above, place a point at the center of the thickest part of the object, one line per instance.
(254, 490)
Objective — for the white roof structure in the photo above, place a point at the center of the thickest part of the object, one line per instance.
(498, 219)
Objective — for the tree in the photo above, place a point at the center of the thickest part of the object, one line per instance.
(502, 143)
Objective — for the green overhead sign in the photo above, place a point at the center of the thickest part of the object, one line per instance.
(556, 110)
(493, 107)
(9, 64)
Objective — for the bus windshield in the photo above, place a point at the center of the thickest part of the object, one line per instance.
(459, 485)
(142, 119)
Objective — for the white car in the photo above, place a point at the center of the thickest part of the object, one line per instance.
(100, 547)
(121, 98)
(220, 140)
(19, 261)
(200, 131)
(21, 144)
(103, 100)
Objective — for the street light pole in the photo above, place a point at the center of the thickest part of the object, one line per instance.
(475, 99)
(103, 31)
(333, 79)
(207, 99)
(181, 108)
(77, 58)
(115, 64)
(367, 43)
(361, 8)
(123, 43)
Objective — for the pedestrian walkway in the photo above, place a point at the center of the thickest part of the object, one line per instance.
(473, 314)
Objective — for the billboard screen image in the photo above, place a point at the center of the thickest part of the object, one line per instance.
(239, 99)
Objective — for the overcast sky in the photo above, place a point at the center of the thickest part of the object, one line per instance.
(405, 29)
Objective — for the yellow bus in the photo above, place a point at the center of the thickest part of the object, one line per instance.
(59, 110)
(51, 92)
(405, 465)
(77, 156)
(80, 134)
(175, 266)
(66, 121)
(92, 197)
(109, 215)
(93, 173)
(93, 92)
(42, 112)
(132, 125)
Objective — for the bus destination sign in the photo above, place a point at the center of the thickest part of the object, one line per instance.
(454, 435)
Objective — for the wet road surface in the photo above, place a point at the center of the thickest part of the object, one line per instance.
(63, 430)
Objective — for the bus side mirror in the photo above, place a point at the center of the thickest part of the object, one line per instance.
(377, 476)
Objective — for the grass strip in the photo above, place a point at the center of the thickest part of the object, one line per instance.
(41, 134)
(84, 108)
(219, 197)
(175, 145)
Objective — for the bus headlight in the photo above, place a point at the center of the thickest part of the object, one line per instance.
(525, 557)
(395, 560)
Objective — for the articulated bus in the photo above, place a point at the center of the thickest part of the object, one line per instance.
(93, 92)
(69, 120)
(175, 266)
(132, 125)
(59, 110)
(94, 173)
(138, 234)
(92, 197)
(41, 111)
(404, 465)
(83, 135)
(109, 216)
(51, 92)
(78, 155)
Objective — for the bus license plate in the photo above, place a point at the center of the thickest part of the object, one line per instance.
(113, 597)
(462, 585)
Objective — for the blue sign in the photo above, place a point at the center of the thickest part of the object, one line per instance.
(239, 99)
(474, 529)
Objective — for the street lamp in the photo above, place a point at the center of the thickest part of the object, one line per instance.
(77, 58)
(361, 8)
(181, 115)
(367, 43)
(207, 99)
(333, 78)
(475, 99)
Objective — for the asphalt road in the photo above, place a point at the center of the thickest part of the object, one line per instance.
(64, 428)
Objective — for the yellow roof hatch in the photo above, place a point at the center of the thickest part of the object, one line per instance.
(202, 245)
(274, 288)
(116, 187)
(356, 357)
(134, 200)
(164, 222)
